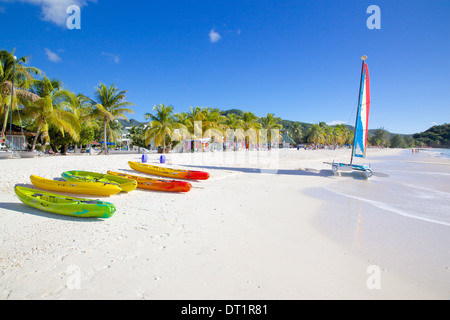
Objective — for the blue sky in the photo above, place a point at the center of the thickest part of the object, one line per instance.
(297, 59)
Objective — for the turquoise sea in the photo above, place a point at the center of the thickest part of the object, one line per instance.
(415, 186)
(399, 219)
(442, 153)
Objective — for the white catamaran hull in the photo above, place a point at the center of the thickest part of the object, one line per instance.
(27, 154)
(365, 169)
(5, 155)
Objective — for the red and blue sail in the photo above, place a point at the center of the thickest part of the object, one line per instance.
(362, 118)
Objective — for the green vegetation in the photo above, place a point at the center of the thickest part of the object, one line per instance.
(110, 106)
(161, 126)
(57, 116)
(62, 118)
(437, 137)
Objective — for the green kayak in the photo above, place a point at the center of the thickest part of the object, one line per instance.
(127, 185)
(63, 205)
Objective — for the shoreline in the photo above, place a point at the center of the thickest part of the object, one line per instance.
(247, 233)
(384, 232)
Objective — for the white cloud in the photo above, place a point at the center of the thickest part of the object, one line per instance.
(336, 122)
(214, 36)
(112, 57)
(52, 56)
(54, 11)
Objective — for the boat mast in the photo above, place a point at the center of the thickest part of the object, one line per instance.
(364, 58)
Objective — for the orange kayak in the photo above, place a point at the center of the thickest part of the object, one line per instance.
(156, 184)
(168, 172)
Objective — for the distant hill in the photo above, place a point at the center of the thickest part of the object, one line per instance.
(233, 111)
(287, 124)
(132, 123)
(437, 136)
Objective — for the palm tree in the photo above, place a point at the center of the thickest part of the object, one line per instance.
(195, 116)
(183, 119)
(330, 137)
(296, 132)
(347, 135)
(212, 119)
(341, 134)
(161, 125)
(316, 134)
(23, 77)
(110, 106)
(250, 123)
(84, 108)
(338, 135)
(233, 122)
(270, 122)
(213, 123)
(51, 109)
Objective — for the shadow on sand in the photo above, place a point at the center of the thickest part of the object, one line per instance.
(24, 209)
(295, 172)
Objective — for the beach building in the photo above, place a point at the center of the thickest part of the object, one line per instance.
(19, 137)
(286, 140)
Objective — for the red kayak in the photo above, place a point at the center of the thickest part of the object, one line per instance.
(156, 184)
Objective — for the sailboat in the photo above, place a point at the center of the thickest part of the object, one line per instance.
(361, 127)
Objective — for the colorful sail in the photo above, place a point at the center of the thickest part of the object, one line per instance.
(362, 118)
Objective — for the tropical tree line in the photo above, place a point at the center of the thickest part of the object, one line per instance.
(53, 113)
(63, 118)
(164, 125)
(436, 136)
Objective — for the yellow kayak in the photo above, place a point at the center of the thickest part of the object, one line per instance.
(89, 188)
(167, 172)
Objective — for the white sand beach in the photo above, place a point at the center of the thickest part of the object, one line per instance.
(263, 227)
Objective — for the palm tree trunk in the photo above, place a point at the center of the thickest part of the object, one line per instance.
(164, 145)
(104, 136)
(35, 138)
